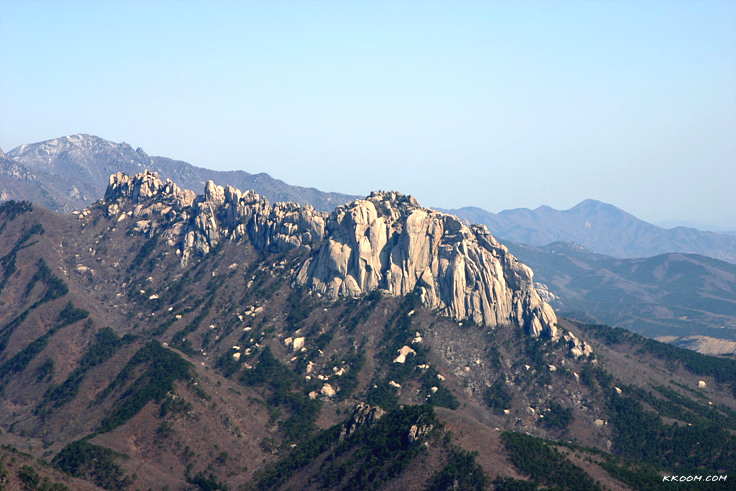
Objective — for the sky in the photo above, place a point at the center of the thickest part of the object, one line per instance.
(466, 103)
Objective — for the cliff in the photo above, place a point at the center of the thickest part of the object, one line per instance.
(386, 241)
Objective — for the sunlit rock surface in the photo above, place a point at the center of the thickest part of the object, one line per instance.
(386, 241)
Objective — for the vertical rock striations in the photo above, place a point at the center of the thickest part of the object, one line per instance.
(198, 223)
(386, 241)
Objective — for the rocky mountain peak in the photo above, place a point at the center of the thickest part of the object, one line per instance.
(85, 161)
(386, 242)
(394, 197)
(389, 242)
(52, 149)
(74, 173)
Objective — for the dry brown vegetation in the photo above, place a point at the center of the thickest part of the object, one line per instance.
(219, 424)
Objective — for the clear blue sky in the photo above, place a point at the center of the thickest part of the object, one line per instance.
(490, 104)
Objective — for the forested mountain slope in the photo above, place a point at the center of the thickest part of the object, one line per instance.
(124, 365)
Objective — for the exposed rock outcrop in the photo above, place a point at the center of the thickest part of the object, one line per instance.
(577, 347)
(196, 224)
(363, 415)
(386, 241)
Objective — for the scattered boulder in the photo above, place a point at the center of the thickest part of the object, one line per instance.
(328, 390)
(403, 353)
(419, 431)
(577, 347)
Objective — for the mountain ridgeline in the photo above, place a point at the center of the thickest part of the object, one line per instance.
(70, 173)
(672, 295)
(386, 241)
(599, 227)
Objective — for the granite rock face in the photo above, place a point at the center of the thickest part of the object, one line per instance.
(386, 241)
(196, 224)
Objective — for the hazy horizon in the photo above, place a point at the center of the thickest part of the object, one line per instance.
(497, 105)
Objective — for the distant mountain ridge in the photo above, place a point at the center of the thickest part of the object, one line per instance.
(73, 173)
(599, 227)
(672, 295)
(18, 182)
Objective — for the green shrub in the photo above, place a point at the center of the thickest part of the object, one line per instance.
(12, 208)
(442, 396)
(174, 404)
(106, 344)
(145, 251)
(499, 398)
(545, 465)
(300, 457)
(163, 368)
(207, 483)
(87, 461)
(381, 451)
(349, 381)
(45, 370)
(557, 417)
(20, 360)
(460, 472)
(382, 394)
(8, 260)
(642, 435)
(285, 384)
(55, 288)
(29, 477)
(511, 484)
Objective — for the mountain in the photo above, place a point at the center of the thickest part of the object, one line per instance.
(673, 295)
(385, 242)
(163, 339)
(21, 183)
(275, 190)
(71, 172)
(83, 163)
(599, 227)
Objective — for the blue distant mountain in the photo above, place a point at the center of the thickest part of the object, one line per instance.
(674, 294)
(599, 227)
(72, 172)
